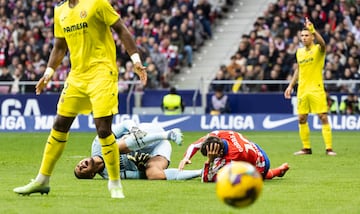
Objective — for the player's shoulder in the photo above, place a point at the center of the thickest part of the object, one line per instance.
(301, 49)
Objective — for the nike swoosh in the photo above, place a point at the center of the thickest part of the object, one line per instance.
(171, 122)
(269, 124)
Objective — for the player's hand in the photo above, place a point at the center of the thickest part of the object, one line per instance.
(43, 81)
(287, 93)
(213, 151)
(183, 162)
(140, 70)
(140, 160)
(309, 25)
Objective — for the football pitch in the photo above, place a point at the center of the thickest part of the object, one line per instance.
(314, 184)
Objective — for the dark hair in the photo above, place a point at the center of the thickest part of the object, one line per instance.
(173, 90)
(210, 140)
(77, 176)
(305, 28)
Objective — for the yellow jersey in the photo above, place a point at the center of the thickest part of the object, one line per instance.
(172, 104)
(311, 63)
(86, 29)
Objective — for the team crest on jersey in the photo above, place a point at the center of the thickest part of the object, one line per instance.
(83, 14)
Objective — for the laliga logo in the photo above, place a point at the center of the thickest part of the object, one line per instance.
(13, 107)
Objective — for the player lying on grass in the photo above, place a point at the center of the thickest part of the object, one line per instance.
(222, 146)
(149, 139)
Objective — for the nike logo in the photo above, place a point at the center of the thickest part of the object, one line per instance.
(269, 124)
(171, 122)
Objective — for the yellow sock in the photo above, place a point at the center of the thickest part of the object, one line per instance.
(53, 149)
(304, 133)
(327, 135)
(111, 157)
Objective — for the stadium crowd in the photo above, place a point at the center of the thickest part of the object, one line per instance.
(167, 32)
(267, 52)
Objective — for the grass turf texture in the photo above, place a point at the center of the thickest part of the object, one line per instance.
(315, 183)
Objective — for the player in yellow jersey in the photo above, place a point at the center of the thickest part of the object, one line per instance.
(311, 95)
(83, 28)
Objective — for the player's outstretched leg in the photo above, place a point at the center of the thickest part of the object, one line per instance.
(136, 140)
(138, 133)
(32, 187)
(283, 169)
(176, 136)
(278, 172)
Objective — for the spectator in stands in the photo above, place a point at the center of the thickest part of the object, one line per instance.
(219, 103)
(5, 76)
(355, 29)
(153, 76)
(205, 22)
(15, 61)
(198, 30)
(346, 87)
(177, 41)
(160, 61)
(274, 75)
(188, 38)
(328, 75)
(18, 76)
(171, 54)
(176, 19)
(244, 46)
(221, 75)
(350, 105)
(172, 103)
(254, 72)
(234, 66)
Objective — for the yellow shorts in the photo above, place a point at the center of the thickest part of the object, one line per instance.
(312, 102)
(78, 97)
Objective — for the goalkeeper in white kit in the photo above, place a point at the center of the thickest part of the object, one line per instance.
(145, 153)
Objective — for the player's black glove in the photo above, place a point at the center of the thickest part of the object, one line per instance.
(140, 160)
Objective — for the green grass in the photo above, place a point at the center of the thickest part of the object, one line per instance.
(314, 184)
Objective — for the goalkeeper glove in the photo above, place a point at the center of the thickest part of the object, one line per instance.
(140, 160)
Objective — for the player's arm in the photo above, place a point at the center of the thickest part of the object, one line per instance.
(317, 35)
(209, 171)
(292, 83)
(208, 175)
(56, 56)
(130, 45)
(190, 151)
(321, 41)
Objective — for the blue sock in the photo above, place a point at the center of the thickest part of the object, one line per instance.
(175, 174)
(133, 175)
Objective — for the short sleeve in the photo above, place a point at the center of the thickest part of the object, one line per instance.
(107, 13)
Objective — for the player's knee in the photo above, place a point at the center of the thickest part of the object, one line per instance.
(62, 124)
(324, 118)
(155, 173)
(103, 132)
(302, 119)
